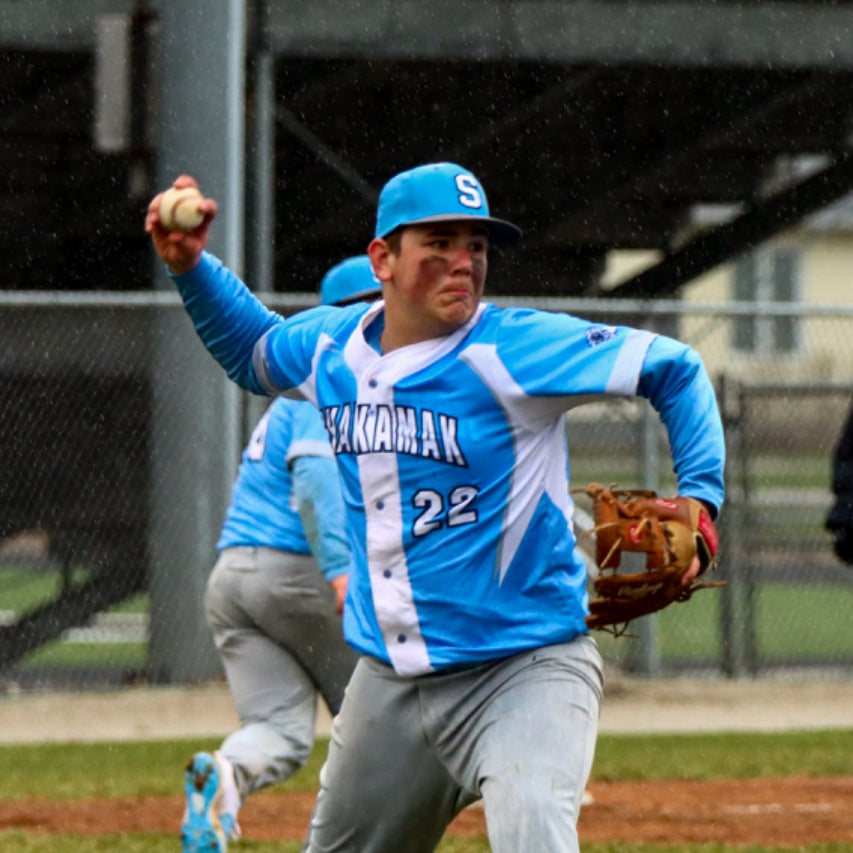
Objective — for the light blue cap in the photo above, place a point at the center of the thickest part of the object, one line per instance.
(351, 280)
(437, 192)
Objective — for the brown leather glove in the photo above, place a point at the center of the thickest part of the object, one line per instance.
(670, 531)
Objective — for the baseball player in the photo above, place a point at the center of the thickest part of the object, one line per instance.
(275, 618)
(467, 597)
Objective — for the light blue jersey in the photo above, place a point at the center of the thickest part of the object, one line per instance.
(453, 458)
(288, 430)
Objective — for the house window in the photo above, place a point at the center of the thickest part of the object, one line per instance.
(767, 277)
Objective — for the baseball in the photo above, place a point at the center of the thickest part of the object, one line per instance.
(179, 209)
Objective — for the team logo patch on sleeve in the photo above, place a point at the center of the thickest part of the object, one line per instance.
(599, 334)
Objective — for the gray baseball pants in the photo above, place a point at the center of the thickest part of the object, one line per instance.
(272, 614)
(407, 754)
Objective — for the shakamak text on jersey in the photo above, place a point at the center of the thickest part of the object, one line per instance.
(377, 428)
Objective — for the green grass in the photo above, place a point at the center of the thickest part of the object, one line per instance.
(68, 771)
(16, 842)
(131, 656)
(158, 843)
(26, 588)
(148, 842)
(622, 847)
(814, 621)
(155, 842)
(734, 755)
(80, 770)
(793, 622)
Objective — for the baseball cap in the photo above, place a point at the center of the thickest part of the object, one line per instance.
(437, 192)
(351, 280)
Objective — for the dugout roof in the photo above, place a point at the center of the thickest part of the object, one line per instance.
(696, 130)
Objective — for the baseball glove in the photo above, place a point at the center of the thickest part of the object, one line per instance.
(669, 531)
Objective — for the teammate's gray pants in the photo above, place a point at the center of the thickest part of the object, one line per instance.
(273, 619)
(407, 754)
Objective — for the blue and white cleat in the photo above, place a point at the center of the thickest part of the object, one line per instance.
(203, 829)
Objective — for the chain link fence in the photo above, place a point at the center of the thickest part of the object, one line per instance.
(105, 472)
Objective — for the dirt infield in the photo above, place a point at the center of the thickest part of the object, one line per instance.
(789, 811)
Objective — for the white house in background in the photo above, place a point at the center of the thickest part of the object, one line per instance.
(810, 266)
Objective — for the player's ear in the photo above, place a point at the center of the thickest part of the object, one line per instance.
(379, 253)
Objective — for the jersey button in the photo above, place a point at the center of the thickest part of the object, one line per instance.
(380, 504)
(401, 638)
(372, 383)
(387, 573)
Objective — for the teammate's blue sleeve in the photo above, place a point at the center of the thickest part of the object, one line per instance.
(675, 382)
(317, 490)
(228, 317)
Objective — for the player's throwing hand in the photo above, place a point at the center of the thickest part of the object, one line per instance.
(179, 248)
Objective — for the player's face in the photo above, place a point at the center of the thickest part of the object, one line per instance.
(436, 281)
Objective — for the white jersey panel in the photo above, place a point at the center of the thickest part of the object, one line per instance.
(535, 452)
(626, 371)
